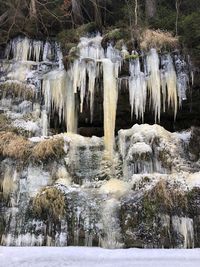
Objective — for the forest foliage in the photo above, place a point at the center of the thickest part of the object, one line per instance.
(66, 20)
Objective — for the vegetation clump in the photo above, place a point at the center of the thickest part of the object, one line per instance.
(163, 199)
(49, 204)
(14, 146)
(17, 89)
(158, 39)
(20, 148)
(113, 36)
(48, 149)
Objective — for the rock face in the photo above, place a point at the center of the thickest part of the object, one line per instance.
(147, 196)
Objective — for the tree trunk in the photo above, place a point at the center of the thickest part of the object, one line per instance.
(178, 3)
(97, 13)
(150, 8)
(136, 12)
(77, 14)
(33, 11)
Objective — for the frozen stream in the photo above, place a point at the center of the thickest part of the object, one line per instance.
(92, 257)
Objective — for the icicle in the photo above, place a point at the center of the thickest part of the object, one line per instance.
(71, 108)
(92, 73)
(75, 74)
(82, 85)
(47, 95)
(171, 83)
(37, 49)
(46, 51)
(91, 48)
(113, 54)
(59, 56)
(164, 89)
(182, 78)
(184, 226)
(110, 104)
(137, 89)
(54, 91)
(58, 92)
(20, 48)
(154, 83)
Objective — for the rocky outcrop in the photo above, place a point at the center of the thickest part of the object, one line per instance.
(147, 196)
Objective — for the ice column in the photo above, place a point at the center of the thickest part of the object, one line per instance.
(110, 104)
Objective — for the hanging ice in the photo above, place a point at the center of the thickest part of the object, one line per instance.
(169, 84)
(154, 84)
(59, 96)
(137, 89)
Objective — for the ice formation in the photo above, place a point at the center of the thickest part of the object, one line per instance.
(97, 177)
(155, 81)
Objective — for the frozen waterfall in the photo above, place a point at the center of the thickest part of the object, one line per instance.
(155, 81)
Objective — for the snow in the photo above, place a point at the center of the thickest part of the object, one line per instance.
(96, 257)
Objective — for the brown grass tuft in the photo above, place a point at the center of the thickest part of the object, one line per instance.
(158, 39)
(49, 204)
(14, 146)
(18, 147)
(49, 149)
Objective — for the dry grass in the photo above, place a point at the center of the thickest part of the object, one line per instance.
(18, 147)
(158, 39)
(49, 149)
(49, 204)
(17, 89)
(14, 146)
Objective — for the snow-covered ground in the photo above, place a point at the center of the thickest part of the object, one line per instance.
(96, 257)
